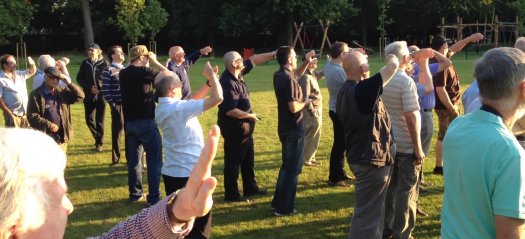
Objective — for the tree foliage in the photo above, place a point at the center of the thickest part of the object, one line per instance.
(15, 16)
(128, 19)
(154, 18)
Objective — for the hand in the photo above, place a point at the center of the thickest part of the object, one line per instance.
(359, 50)
(210, 72)
(13, 119)
(206, 50)
(30, 61)
(152, 56)
(54, 128)
(423, 54)
(60, 64)
(67, 81)
(455, 109)
(195, 200)
(476, 37)
(420, 157)
(94, 90)
(309, 55)
(313, 62)
(252, 117)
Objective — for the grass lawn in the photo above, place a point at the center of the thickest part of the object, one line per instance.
(100, 195)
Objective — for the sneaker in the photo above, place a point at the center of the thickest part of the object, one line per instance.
(311, 164)
(421, 213)
(438, 170)
(289, 214)
(98, 148)
(341, 183)
(348, 177)
(139, 199)
(258, 192)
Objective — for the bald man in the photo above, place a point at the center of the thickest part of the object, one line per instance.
(370, 147)
(237, 122)
(180, 64)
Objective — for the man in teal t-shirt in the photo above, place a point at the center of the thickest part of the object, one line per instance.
(485, 165)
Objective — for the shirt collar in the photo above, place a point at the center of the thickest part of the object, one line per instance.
(117, 65)
(167, 100)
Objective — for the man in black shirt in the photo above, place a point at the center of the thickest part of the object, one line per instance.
(290, 103)
(237, 123)
(369, 141)
(138, 104)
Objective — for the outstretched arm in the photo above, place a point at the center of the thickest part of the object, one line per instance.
(262, 58)
(458, 46)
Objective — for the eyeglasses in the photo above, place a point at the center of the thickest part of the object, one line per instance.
(53, 77)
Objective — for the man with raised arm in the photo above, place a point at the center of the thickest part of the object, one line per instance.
(370, 146)
(180, 64)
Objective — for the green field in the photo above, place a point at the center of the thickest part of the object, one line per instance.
(100, 195)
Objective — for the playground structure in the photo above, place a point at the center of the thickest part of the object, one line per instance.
(308, 36)
(508, 31)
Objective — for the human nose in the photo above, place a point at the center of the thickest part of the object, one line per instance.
(67, 205)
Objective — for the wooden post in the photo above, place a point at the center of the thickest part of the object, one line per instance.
(325, 35)
(516, 28)
(496, 32)
(297, 34)
(443, 26)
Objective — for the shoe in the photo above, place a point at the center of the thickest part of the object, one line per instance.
(315, 162)
(98, 148)
(438, 170)
(288, 214)
(311, 164)
(348, 178)
(338, 184)
(139, 199)
(113, 164)
(421, 213)
(258, 192)
(423, 190)
(239, 199)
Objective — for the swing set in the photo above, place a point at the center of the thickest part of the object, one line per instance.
(312, 37)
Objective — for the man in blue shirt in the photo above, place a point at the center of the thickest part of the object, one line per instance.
(485, 173)
(180, 64)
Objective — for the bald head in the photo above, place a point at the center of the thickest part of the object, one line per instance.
(520, 44)
(165, 81)
(355, 65)
(229, 58)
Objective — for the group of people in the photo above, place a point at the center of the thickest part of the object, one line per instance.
(382, 123)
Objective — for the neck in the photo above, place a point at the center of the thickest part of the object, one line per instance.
(235, 72)
(117, 62)
(355, 76)
(50, 88)
(337, 60)
(508, 111)
(288, 66)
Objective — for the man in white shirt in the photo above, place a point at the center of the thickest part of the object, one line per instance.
(182, 133)
(13, 91)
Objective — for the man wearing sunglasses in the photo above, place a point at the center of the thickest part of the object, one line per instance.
(49, 106)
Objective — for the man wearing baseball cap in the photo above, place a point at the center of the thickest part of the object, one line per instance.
(138, 105)
(90, 79)
(49, 106)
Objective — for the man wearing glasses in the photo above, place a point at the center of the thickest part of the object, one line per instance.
(13, 91)
(49, 106)
(180, 64)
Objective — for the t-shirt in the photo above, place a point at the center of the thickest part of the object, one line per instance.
(287, 89)
(400, 96)
(182, 137)
(136, 87)
(484, 176)
(14, 91)
(335, 78)
(426, 102)
(451, 84)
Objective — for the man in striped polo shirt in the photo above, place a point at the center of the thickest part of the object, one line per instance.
(401, 102)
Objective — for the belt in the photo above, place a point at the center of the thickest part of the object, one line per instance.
(427, 110)
(520, 137)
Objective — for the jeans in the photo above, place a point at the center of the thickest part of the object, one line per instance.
(401, 199)
(371, 185)
(292, 162)
(337, 155)
(146, 134)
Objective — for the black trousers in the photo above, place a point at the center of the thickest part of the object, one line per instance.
(238, 153)
(117, 130)
(337, 156)
(202, 225)
(94, 112)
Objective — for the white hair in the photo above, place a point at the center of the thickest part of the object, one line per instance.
(29, 159)
(398, 49)
(45, 61)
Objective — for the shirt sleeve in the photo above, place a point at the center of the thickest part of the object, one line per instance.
(508, 198)
(434, 67)
(409, 97)
(24, 75)
(439, 79)
(367, 92)
(192, 58)
(230, 96)
(192, 108)
(304, 82)
(248, 66)
(150, 75)
(292, 90)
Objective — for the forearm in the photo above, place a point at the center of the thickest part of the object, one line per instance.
(301, 69)
(443, 97)
(262, 58)
(425, 78)
(509, 228)
(296, 106)
(413, 121)
(160, 66)
(237, 114)
(443, 61)
(32, 69)
(200, 93)
(77, 94)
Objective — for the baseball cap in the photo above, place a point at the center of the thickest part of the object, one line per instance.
(53, 71)
(94, 46)
(138, 51)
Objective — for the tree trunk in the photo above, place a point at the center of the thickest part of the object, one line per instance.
(288, 30)
(88, 27)
(363, 33)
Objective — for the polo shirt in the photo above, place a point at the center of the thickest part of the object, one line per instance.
(14, 91)
(136, 88)
(426, 102)
(287, 89)
(182, 71)
(400, 96)
(234, 92)
(335, 78)
(484, 176)
(182, 137)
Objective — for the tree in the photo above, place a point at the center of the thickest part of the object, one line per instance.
(128, 19)
(88, 27)
(154, 18)
(15, 16)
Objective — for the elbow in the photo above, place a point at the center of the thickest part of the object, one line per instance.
(218, 100)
